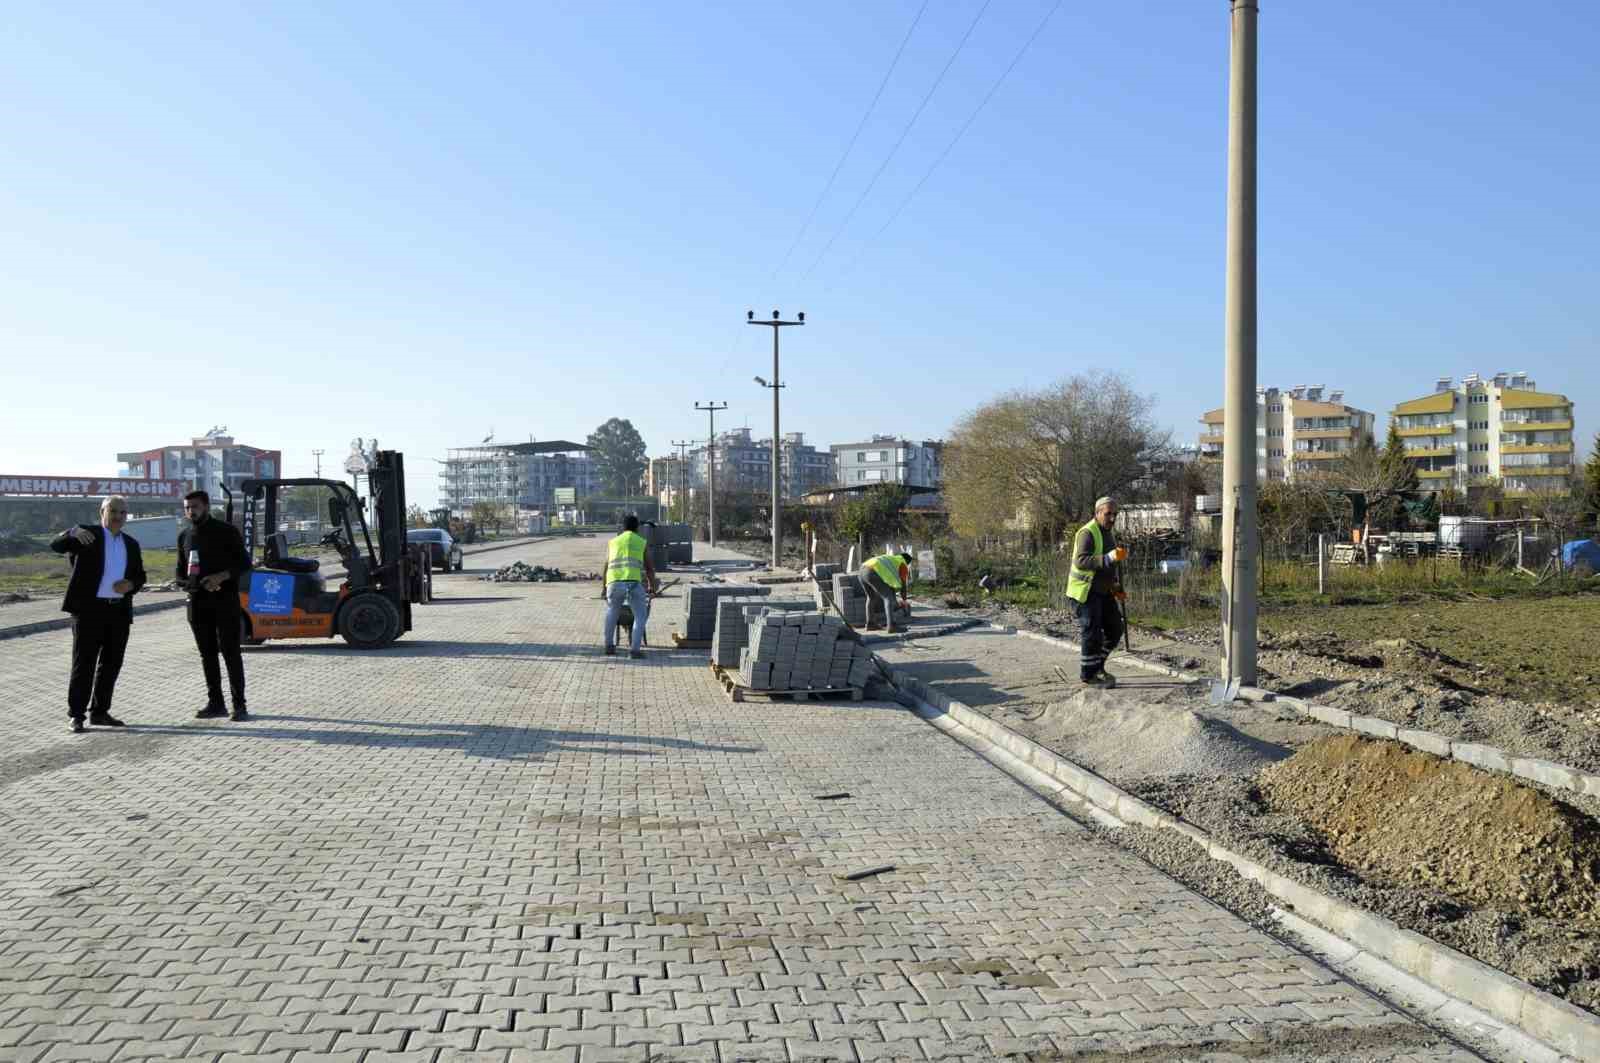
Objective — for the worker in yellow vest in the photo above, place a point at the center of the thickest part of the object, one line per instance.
(884, 576)
(630, 577)
(1095, 585)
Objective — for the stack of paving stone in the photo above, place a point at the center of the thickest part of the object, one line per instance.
(679, 541)
(734, 616)
(802, 651)
(700, 606)
(851, 597)
(823, 574)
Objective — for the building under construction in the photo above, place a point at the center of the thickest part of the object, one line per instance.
(531, 477)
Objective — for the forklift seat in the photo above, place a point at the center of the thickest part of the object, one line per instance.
(275, 555)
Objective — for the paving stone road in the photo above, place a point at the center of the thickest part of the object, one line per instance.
(489, 842)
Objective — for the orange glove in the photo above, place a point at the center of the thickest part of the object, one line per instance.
(1119, 553)
(1120, 596)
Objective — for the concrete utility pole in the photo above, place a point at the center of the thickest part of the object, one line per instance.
(711, 409)
(316, 455)
(777, 450)
(683, 479)
(1239, 542)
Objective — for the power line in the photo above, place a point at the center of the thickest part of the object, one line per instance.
(805, 227)
(959, 134)
(901, 140)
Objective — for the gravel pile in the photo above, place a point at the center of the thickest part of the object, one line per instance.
(522, 572)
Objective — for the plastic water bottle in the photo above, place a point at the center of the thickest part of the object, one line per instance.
(194, 567)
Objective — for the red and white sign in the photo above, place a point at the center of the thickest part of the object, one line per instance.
(92, 487)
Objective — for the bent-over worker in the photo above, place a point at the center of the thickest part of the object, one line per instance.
(1095, 584)
(883, 576)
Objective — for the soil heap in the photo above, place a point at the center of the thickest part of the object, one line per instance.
(1416, 819)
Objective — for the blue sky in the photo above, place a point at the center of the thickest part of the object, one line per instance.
(421, 222)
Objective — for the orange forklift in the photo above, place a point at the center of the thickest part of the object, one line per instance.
(286, 597)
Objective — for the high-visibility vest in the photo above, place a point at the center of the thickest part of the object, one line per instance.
(1079, 580)
(887, 566)
(625, 559)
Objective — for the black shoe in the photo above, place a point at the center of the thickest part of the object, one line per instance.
(77, 726)
(636, 654)
(211, 712)
(105, 719)
(611, 651)
(240, 714)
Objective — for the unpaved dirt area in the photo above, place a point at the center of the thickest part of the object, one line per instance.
(1498, 870)
(1521, 675)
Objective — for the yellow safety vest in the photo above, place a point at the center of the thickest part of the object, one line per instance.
(887, 566)
(625, 559)
(1079, 580)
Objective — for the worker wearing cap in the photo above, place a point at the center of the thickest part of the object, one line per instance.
(629, 577)
(884, 576)
(1095, 584)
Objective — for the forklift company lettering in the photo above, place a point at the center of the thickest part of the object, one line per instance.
(90, 487)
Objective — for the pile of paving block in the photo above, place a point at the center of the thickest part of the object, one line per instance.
(860, 606)
(823, 573)
(803, 651)
(734, 616)
(700, 606)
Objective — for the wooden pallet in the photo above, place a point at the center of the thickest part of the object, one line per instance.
(738, 692)
(690, 644)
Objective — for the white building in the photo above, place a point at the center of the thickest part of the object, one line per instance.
(890, 460)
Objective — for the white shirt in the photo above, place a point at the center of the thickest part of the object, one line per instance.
(116, 558)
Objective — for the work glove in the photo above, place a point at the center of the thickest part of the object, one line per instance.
(1119, 554)
(1120, 596)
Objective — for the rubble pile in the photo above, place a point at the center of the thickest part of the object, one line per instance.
(522, 572)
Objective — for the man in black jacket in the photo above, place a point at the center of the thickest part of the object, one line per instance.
(211, 560)
(107, 571)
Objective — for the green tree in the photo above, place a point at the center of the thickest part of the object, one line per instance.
(619, 456)
(1397, 469)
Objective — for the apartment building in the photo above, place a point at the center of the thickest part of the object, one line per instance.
(526, 475)
(744, 463)
(1299, 430)
(203, 463)
(1501, 428)
(889, 459)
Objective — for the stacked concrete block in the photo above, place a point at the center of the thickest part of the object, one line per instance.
(851, 597)
(700, 605)
(823, 574)
(734, 616)
(802, 651)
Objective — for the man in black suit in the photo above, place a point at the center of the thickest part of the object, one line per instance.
(211, 562)
(107, 571)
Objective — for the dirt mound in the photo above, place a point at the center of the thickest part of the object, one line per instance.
(1419, 820)
(1127, 736)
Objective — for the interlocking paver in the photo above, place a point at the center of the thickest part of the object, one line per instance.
(490, 842)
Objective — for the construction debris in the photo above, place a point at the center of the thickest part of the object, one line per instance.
(522, 572)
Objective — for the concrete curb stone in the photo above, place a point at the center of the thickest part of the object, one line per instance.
(1547, 1018)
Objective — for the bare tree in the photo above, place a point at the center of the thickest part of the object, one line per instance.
(1047, 455)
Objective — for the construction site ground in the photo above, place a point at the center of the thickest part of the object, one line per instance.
(1501, 871)
(488, 841)
(1521, 674)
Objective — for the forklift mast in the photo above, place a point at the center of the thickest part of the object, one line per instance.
(386, 480)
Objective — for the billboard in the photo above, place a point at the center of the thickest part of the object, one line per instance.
(566, 496)
(91, 487)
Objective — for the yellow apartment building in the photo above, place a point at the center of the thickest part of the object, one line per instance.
(1501, 428)
(1298, 430)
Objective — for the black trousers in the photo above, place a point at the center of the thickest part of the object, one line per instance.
(99, 640)
(214, 619)
(1099, 631)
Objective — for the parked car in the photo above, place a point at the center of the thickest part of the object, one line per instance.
(443, 550)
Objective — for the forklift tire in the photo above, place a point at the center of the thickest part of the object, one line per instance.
(369, 621)
(444, 566)
(245, 637)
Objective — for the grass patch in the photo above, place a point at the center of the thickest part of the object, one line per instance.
(38, 573)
